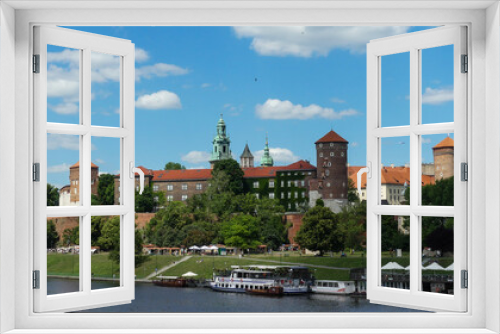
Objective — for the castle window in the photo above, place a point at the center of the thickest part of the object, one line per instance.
(184, 197)
(198, 186)
(342, 154)
(224, 148)
(321, 154)
(296, 194)
(328, 184)
(296, 183)
(282, 195)
(170, 187)
(170, 198)
(332, 154)
(271, 184)
(327, 172)
(256, 184)
(329, 164)
(215, 149)
(155, 188)
(289, 183)
(320, 145)
(271, 195)
(303, 183)
(282, 184)
(257, 196)
(184, 186)
(331, 144)
(156, 198)
(289, 195)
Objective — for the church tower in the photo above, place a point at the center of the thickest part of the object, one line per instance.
(221, 144)
(246, 158)
(267, 159)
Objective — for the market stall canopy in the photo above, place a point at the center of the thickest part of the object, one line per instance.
(213, 247)
(392, 266)
(189, 274)
(450, 267)
(194, 247)
(434, 266)
(204, 248)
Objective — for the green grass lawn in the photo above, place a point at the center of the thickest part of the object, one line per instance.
(202, 265)
(102, 266)
(336, 261)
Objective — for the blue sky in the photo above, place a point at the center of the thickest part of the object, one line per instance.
(294, 83)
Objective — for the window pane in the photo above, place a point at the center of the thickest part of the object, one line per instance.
(437, 254)
(395, 170)
(63, 170)
(395, 90)
(63, 85)
(105, 247)
(437, 84)
(106, 73)
(395, 257)
(63, 255)
(437, 169)
(105, 170)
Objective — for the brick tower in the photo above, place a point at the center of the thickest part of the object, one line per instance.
(443, 159)
(74, 182)
(331, 157)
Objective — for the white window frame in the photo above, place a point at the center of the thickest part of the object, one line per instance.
(484, 103)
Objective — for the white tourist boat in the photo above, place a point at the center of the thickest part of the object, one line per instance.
(333, 287)
(260, 278)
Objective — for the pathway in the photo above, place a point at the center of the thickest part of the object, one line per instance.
(297, 264)
(185, 258)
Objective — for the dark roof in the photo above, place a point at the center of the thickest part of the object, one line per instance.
(246, 153)
(331, 137)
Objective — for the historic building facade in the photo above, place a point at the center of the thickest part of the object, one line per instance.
(70, 194)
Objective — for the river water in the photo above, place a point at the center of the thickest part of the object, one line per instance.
(150, 298)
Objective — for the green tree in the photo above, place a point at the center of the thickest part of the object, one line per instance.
(72, 236)
(233, 172)
(320, 231)
(320, 202)
(352, 192)
(166, 227)
(52, 236)
(352, 222)
(392, 237)
(110, 238)
(145, 202)
(174, 166)
(241, 232)
(52, 195)
(106, 190)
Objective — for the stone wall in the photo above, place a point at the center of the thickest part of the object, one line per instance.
(296, 220)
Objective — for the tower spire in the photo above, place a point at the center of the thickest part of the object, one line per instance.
(266, 160)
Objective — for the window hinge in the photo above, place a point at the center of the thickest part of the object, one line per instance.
(36, 279)
(465, 64)
(36, 172)
(465, 279)
(464, 171)
(36, 63)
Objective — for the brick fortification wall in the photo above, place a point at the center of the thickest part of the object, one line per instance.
(141, 219)
(296, 220)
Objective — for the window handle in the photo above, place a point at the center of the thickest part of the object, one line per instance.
(139, 171)
(368, 171)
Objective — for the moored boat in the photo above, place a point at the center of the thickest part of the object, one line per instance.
(171, 281)
(333, 287)
(267, 291)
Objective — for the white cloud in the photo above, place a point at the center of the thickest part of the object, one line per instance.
(337, 100)
(65, 142)
(277, 109)
(197, 167)
(205, 85)
(353, 144)
(437, 96)
(162, 99)
(64, 167)
(141, 55)
(196, 157)
(159, 70)
(65, 108)
(99, 161)
(426, 140)
(279, 155)
(312, 41)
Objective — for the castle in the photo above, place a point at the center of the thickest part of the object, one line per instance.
(296, 185)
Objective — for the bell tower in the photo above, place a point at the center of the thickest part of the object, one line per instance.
(221, 144)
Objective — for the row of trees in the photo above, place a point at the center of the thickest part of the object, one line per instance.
(222, 214)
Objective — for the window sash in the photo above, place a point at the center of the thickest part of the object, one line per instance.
(86, 297)
(412, 43)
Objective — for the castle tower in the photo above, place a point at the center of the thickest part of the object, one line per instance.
(221, 144)
(331, 157)
(267, 159)
(443, 159)
(246, 158)
(74, 181)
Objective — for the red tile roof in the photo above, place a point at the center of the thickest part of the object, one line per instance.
(445, 143)
(205, 174)
(389, 175)
(78, 165)
(331, 137)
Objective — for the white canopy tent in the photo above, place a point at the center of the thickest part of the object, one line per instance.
(433, 266)
(392, 266)
(194, 248)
